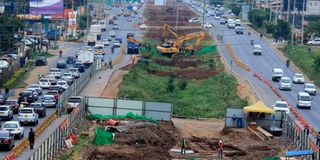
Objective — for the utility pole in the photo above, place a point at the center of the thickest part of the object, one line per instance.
(270, 12)
(293, 20)
(88, 12)
(288, 10)
(177, 15)
(302, 26)
(204, 11)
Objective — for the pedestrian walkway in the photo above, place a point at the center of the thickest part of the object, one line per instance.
(39, 140)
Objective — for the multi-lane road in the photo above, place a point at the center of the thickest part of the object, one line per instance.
(263, 65)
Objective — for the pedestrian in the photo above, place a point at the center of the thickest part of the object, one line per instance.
(133, 58)
(183, 146)
(7, 91)
(40, 75)
(234, 120)
(309, 49)
(149, 47)
(110, 63)
(112, 49)
(47, 47)
(105, 65)
(31, 138)
(220, 149)
(261, 35)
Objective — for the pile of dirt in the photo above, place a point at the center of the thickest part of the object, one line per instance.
(187, 73)
(157, 15)
(139, 140)
(156, 33)
(181, 63)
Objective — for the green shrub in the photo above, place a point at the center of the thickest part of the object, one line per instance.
(10, 83)
(182, 84)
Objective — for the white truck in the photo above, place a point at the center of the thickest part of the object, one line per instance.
(103, 24)
(96, 29)
(86, 57)
(91, 39)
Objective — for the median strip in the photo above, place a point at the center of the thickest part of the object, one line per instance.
(236, 60)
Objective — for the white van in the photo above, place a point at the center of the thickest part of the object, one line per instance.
(304, 100)
(277, 73)
(257, 49)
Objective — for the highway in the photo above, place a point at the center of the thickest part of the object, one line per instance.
(263, 65)
(124, 28)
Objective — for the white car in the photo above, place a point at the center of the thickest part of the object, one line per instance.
(63, 84)
(143, 26)
(231, 25)
(281, 106)
(14, 128)
(68, 77)
(298, 78)
(238, 22)
(37, 87)
(75, 72)
(56, 72)
(216, 17)
(194, 20)
(315, 41)
(28, 115)
(112, 34)
(310, 88)
(49, 101)
(207, 25)
(73, 102)
(105, 42)
(52, 79)
(115, 27)
(44, 83)
(5, 112)
(277, 73)
(116, 44)
(285, 83)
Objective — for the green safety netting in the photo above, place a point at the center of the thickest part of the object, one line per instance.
(128, 115)
(207, 49)
(271, 158)
(102, 137)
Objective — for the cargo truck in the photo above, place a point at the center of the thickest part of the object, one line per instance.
(96, 29)
(91, 39)
(86, 57)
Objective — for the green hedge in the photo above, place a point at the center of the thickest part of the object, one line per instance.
(10, 83)
(18, 73)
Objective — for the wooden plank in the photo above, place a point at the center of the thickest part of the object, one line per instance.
(250, 129)
(266, 133)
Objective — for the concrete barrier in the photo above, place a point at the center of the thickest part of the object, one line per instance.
(118, 59)
(236, 60)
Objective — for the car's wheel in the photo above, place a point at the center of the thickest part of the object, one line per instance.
(22, 135)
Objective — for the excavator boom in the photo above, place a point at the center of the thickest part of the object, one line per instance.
(166, 28)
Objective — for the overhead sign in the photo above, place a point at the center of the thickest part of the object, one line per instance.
(47, 7)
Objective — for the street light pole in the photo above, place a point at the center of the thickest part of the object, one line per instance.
(288, 10)
(293, 21)
(302, 26)
(204, 10)
(177, 15)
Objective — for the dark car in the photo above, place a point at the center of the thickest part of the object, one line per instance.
(2, 99)
(40, 61)
(56, 88)
(80, 66)
(6, 140)
(14, 105)
(115, 18)
(39, 109)
(110, 21)
(71, 60)
(26, 96)
(61, 64)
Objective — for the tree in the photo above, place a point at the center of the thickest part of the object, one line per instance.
(257, 16)
(282, 29)
(313, 28)
(216, 2)
(10, 26)
(235, 9)
(82, 22)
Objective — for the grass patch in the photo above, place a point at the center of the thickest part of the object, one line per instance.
(33, 55)
(77, 149)
(304, 59)
(197, 98)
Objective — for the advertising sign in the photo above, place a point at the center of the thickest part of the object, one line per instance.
(47, 7)
(72, 23)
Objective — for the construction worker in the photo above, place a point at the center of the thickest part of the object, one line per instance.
(112, 49)
(40, 75)
(183, 146)
(133, 58)
(220, 149)
(110, 63)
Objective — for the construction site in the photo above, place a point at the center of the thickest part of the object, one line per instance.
(136, 138)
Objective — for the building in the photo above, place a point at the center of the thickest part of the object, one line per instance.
(16, 6)
(313, 7)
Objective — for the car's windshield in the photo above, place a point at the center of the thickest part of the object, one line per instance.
(74, 100)
(67, 74)
(3, 108)
(310, 86)
(62, 83)
(26, 111)
(33, 86)
(281, 105)
(278, 73)
(299, 75)
(98, 47)
(305, 98)
(73, 70)
(286, 81)
(43, 80)
(10, 125)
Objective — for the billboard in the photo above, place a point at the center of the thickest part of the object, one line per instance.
(47, 7)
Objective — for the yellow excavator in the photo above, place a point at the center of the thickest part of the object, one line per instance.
(171, 48)
(165, 29)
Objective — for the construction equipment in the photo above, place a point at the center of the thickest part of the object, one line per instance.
(176, 46)
(133, 45)
(165, 29)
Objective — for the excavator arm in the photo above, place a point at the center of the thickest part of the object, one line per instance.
(166, 28)
(198, 36)
(133, 40)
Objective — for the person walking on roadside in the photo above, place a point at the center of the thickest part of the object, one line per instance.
(110, 63)
(60, 53)
(112, 49)
(220, 149)
(133, 58)
(183, 146)
(31, 138)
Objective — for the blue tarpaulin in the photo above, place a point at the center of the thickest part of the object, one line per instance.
(298, 153)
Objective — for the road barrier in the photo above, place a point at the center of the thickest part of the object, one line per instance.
(236, 60)
(119, 57)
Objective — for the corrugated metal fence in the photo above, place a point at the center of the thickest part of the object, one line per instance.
(107, 106)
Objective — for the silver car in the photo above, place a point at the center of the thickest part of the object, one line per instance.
(28, 115)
